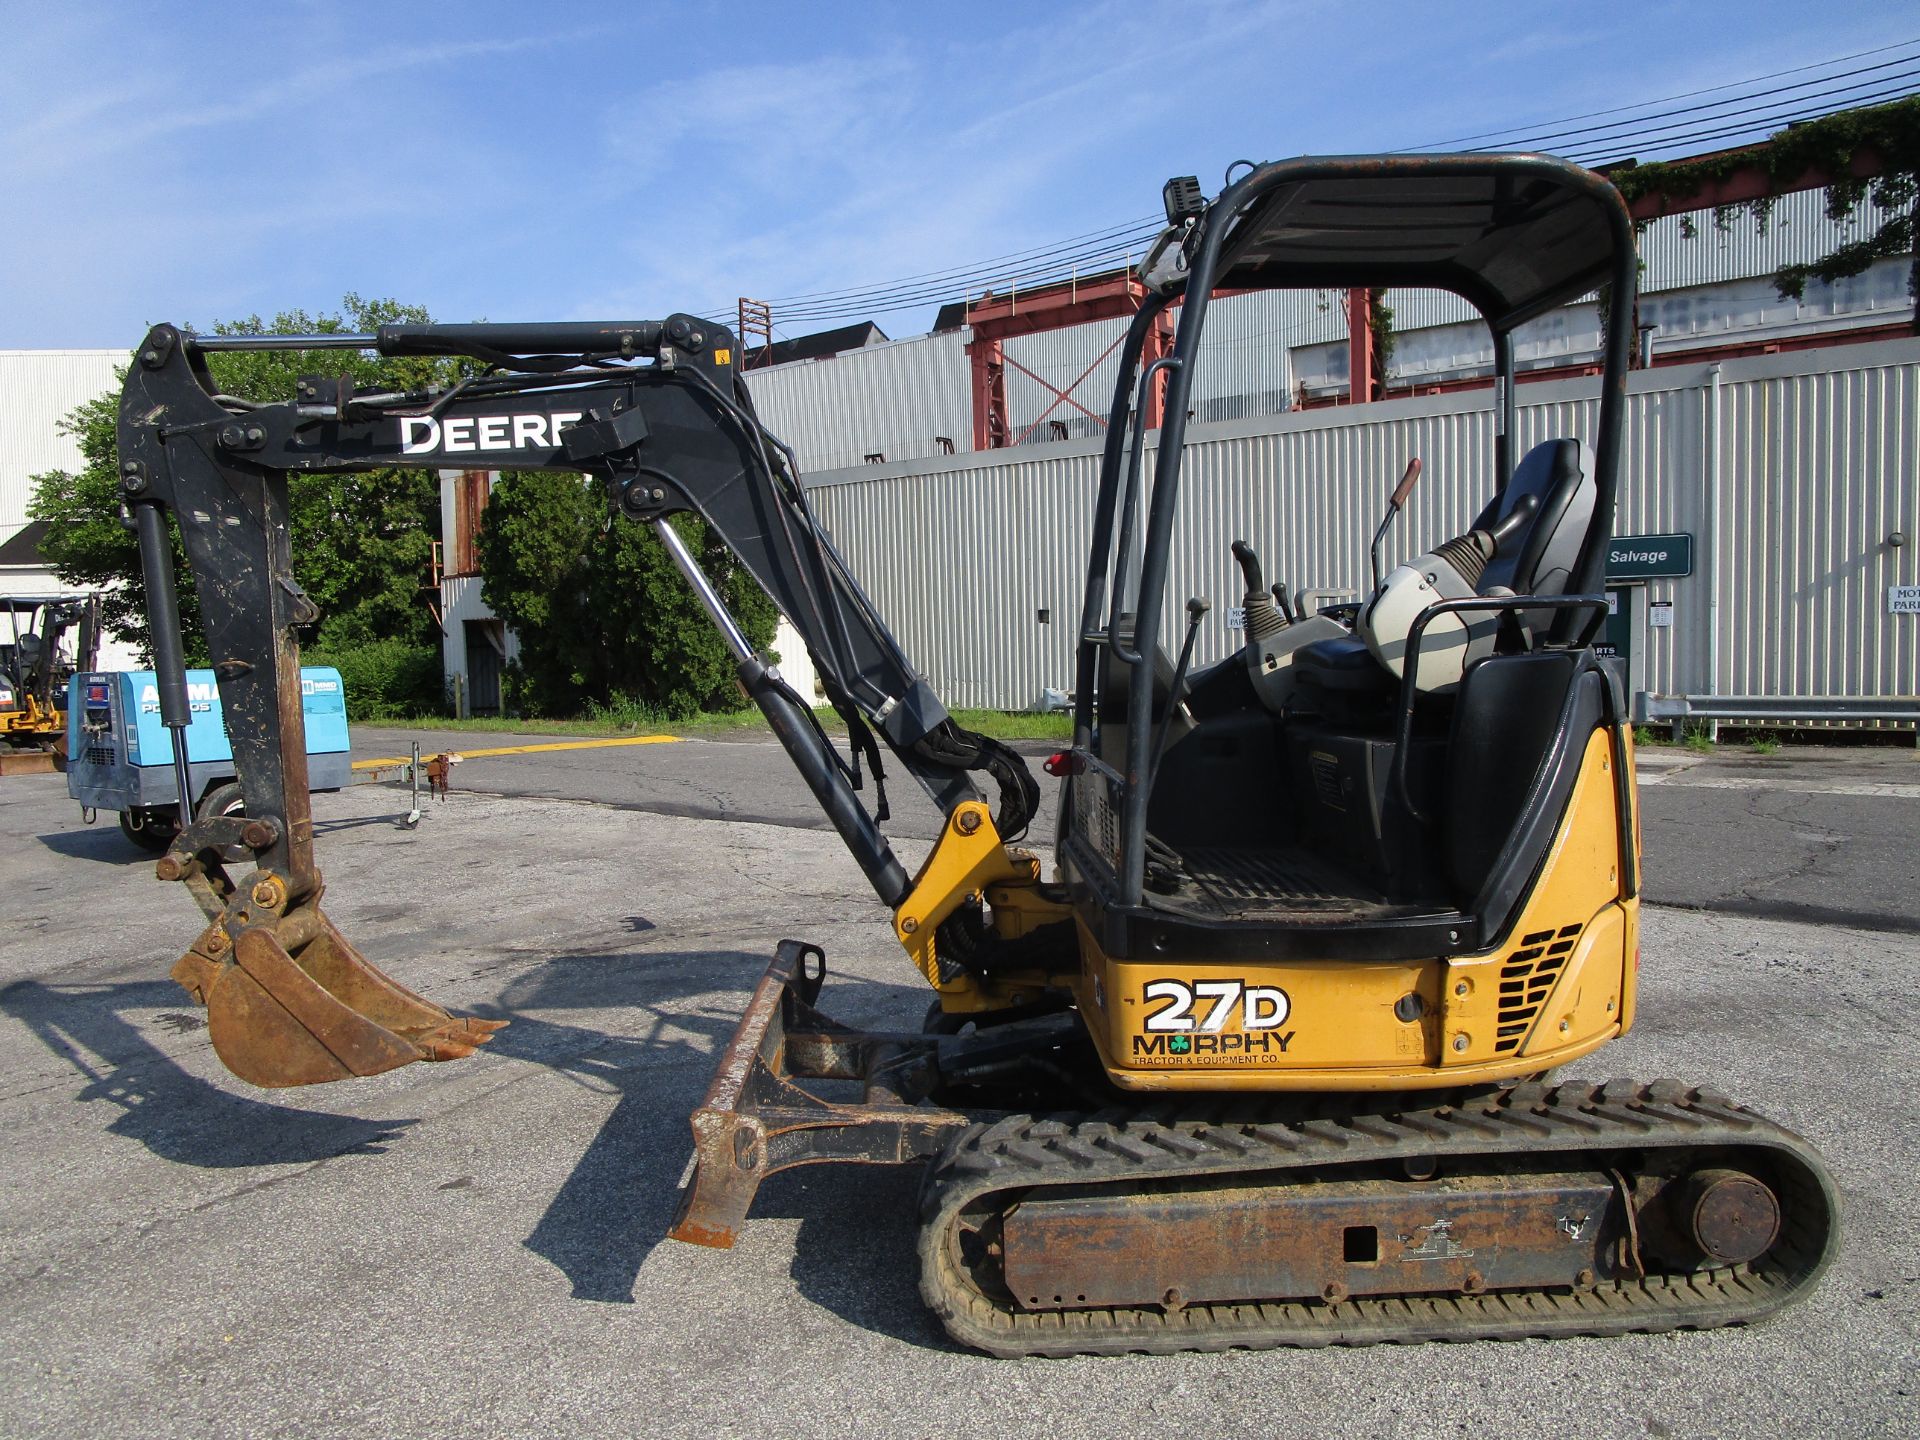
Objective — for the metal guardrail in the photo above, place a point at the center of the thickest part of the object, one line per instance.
(1677, 710)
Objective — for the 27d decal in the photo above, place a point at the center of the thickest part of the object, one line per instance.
(1259, 1007)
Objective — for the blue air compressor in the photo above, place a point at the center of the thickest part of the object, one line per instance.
(120, 757)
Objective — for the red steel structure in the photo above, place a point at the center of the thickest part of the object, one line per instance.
(995, 318)
(1118, 294)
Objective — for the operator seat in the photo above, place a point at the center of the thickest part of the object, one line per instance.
(1538, 560)
(1558, 474)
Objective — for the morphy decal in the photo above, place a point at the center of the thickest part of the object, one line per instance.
(1215, 1022)
(1231, 1048)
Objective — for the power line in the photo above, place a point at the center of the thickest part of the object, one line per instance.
(1047, 262)
(1053, 263)
(1053, 247)
(1049, 273)
(1639, 122)
(1765, 125)
(1667, 100)
(1661, 130)
(887, 302)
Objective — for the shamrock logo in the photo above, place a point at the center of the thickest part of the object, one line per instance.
(1179, 1045)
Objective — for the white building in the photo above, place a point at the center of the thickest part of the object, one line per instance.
(39, 389)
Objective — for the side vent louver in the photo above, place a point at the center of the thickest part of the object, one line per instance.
(1526, 980)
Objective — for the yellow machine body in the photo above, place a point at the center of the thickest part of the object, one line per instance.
(1560, 985)
(33, 723)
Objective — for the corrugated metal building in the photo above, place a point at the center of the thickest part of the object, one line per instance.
(1791, 471)
(902, 400)
(909, 399)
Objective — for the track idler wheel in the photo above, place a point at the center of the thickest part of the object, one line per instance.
(1730, 1217)
(291, 1002)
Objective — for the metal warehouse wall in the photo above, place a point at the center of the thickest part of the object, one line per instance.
(1243, 368)
(894, 399)
(1803, 463)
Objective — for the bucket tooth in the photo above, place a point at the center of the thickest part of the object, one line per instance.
(320, 1013)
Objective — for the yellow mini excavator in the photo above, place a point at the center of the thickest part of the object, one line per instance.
(1259, 1057)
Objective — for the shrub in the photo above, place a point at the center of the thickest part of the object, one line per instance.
(386, 679)
(607, 625)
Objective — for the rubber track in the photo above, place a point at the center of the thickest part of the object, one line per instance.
(1010, 1158)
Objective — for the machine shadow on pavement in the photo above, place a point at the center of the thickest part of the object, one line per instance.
(177, 1116)
(619, 1200)
(102, 843)
(856, 1253)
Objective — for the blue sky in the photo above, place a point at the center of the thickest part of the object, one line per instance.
(201, 162)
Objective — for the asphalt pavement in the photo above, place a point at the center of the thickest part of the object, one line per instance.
(1818, 834)
(744, 776)
(478, 1248)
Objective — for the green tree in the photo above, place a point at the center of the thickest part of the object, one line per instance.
(602, 615)
(362, 543)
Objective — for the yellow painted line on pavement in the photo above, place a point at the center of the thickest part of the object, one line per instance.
(385, 762)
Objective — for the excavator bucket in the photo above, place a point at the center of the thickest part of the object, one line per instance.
(317, 1013)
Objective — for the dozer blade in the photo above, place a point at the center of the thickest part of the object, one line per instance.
(323, 1013)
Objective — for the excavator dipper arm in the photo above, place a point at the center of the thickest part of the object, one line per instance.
(655, 411)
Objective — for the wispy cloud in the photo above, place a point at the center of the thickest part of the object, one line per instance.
(131, 114)
(494, 158)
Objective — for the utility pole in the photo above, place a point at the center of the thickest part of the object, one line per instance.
(756, 318)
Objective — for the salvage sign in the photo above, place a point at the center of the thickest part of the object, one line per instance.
(1649, 557)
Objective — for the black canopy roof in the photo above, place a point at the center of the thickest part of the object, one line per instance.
(1514, 234)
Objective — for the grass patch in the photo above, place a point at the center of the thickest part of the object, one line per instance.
(613, 722)
(1019, 724)
(494, 725)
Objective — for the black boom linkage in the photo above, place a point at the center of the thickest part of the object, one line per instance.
(676, 434)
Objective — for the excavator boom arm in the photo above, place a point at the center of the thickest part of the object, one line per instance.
(675, 435)
(655, 412)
